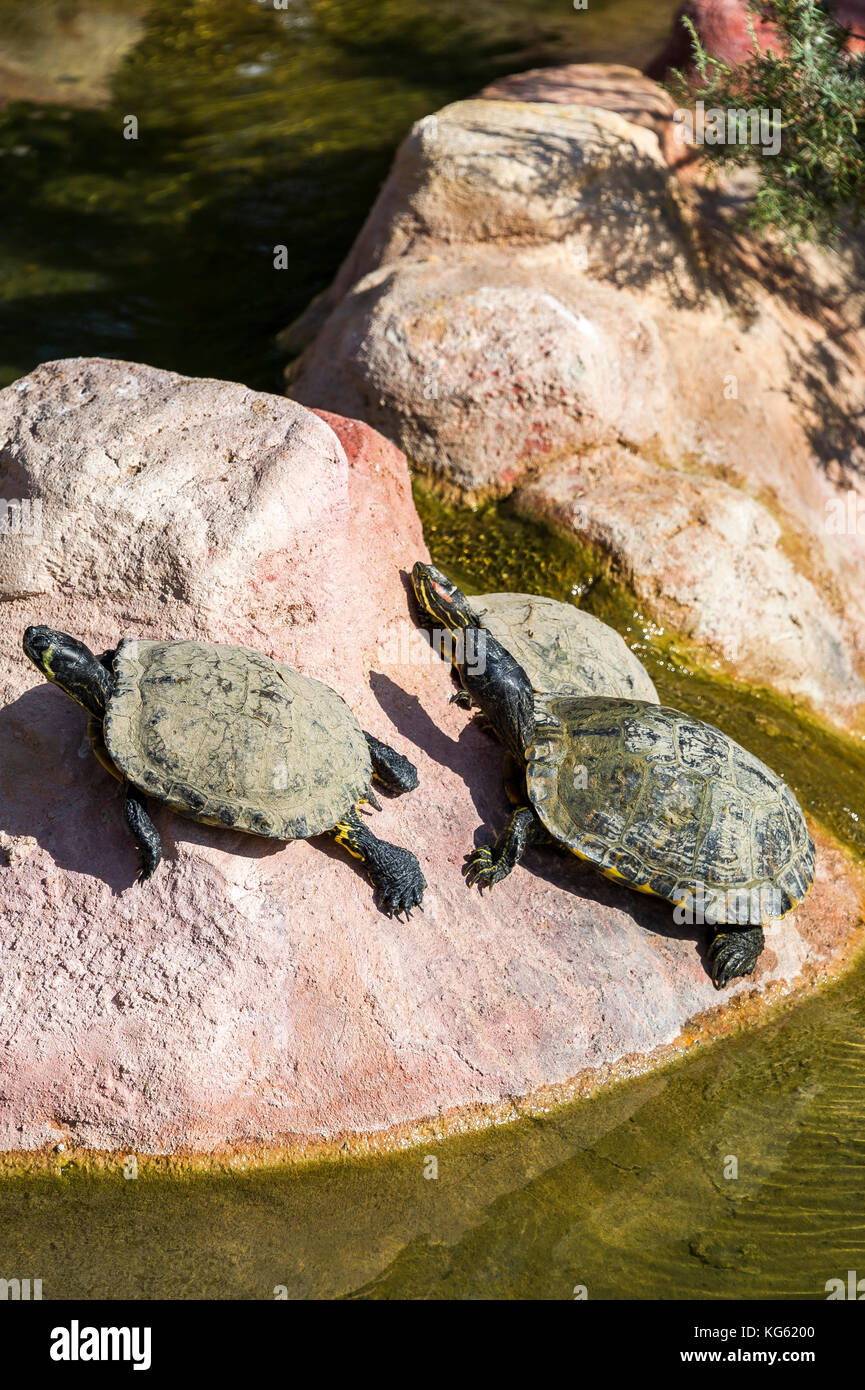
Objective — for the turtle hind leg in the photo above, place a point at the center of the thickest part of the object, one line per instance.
(394, 872)
(465, 700)
(734, 953)
(394, 772)
(144, 832)
(489, 864)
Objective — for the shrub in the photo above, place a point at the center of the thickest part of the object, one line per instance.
(818, 177)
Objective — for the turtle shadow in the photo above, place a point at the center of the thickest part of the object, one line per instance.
(477, 759)
(557, 867)
(474, 757)
(563, 870)
(56, 794)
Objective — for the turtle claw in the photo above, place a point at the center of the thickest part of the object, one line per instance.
(734, 954)
(400, 910)
(481, 868)
(147, 868)
(403, 889)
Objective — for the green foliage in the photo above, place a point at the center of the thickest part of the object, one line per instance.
(818, 177)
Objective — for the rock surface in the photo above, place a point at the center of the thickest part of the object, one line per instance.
(606, 86)
(512, 175)
(705, 558)
(250, 992)
(535, 308)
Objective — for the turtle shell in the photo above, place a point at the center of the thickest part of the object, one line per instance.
(563, 650)
(228, 736)
(669, 805)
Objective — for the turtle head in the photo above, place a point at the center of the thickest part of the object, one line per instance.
(441, 599)
(497, 684)
(68, 663)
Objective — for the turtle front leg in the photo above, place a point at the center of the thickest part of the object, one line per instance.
(390, 768)
(734, 953)
(394, 872)
(464, 699)
(144, 832)
(488, 864)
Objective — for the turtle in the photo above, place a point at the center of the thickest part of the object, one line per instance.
(562, 649)
(228, 736)
(649, 796)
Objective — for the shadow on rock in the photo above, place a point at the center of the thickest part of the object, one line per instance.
(477, 758)
(559, 868)
(474, 756)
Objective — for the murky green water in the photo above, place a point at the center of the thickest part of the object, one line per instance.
(258, 128)
(625, 1194)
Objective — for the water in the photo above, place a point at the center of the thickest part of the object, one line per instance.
(256, 129)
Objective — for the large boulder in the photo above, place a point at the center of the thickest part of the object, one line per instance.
(537, 307)
(708, 560)
(250, 993)
(514, 175)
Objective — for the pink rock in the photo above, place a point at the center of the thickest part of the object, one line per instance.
(723, 29)
(250, 993)
(525, 358)
(612, 88)
(534, 292)
(704, 557)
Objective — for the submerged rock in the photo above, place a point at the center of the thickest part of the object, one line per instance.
(538, 307)
(250, 993)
